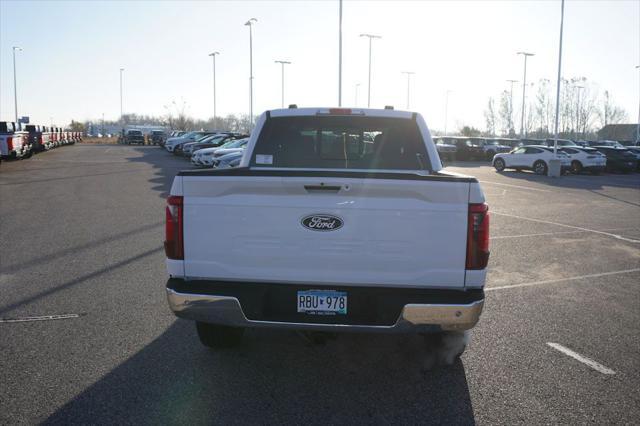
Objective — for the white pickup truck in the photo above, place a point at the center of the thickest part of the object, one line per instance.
(335, 220)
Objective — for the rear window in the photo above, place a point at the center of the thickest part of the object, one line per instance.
(334, 142)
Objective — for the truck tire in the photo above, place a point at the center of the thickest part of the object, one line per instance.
(219, 336)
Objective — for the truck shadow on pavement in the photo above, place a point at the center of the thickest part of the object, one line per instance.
(166, 166)
(275, 377)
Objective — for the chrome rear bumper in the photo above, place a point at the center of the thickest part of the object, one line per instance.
(226, 310)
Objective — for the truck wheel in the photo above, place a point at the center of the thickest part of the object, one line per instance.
(540, 167)
(219, 336)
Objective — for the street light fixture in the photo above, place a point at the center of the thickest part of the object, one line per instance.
(409, 74)
(340, 56)
(283, 63)
(249, 24)
(371, 37)
(15, 86)
(555, 141)
(213, 55)
(524, 87)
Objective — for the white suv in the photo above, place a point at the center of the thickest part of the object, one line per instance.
(533, 157)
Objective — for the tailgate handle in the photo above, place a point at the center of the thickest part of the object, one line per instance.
(325, 188)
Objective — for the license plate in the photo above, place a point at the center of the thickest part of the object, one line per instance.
(322, 302)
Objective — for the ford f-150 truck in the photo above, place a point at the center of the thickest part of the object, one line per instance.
(335, 220)
(13, 143)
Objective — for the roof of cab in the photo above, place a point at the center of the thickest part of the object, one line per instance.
(358, 112)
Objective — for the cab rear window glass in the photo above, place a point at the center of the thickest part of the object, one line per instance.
(336, 142)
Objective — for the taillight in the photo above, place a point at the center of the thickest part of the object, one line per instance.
(173, 244)
(478, 236)
(10, 143)
(40, 139)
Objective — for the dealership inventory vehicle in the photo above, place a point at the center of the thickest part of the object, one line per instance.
(323, 228)
(491, 147)
(561, 143)
(35, 138)
(228, 160)
(172, 143)
(618, 159)
(446, 151)
(157, 137)
(13, 143)
(585, 159)
(132, 136)
(531, 157)
(635, 150)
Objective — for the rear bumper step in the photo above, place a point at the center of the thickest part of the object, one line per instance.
(370, 309)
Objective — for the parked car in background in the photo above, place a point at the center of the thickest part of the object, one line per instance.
(466, 148)
(531, 142)
(635, 150)
(172, 143)
(561, 142)
(13, 143)
(157, 137)
(229, 160)
(534, 157)
(618, 159)
(446, 151)
(491, 147)
(208, 155)
(612, 144)
(585, 159)
(211, 141)
(134, 136)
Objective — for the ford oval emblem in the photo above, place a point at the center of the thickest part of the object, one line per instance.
(322, 222)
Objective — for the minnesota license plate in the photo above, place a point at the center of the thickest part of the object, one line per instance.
(322, 302)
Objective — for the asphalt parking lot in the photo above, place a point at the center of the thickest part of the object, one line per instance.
(81, 236)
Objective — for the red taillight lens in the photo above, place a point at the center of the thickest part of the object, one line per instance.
(173, 244)
(10, 143)
(478, 236)
(40, 139)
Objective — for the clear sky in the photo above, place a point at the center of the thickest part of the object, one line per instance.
(69, 68)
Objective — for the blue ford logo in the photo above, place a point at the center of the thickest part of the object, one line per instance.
(322, 222)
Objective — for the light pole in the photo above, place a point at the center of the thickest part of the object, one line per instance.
(283, 63)
(213, 55)
(121, 70)
(511, 103)
(638, 126)
(555, 131)
(409, 74)
(524, 87)
(577, 132)
(340, 56)
(250, 23)
(356, 99)
(371, 37)
(446, 111)
(15, 86)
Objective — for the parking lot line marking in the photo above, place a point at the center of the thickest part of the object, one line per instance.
(583, 359)
(619, 237)
(514, 186)
(40, 318)
(559, 280)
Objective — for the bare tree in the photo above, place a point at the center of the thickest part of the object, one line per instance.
(611, 113)
(490, 117)
(505, 114)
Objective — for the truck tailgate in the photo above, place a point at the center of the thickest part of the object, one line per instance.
(409, 233)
